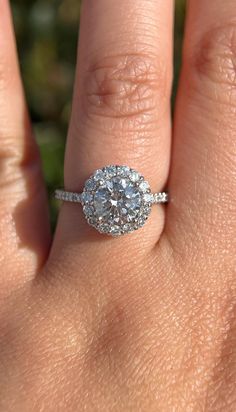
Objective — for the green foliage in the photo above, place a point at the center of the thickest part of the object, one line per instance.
(46, 32)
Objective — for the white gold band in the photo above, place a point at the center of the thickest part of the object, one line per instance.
(73, 197)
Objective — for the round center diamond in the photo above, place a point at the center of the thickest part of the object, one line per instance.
(115, 200)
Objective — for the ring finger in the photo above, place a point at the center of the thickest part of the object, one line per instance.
(121, 105)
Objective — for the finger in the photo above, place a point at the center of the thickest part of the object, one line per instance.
(202, 183)
(24, 231)
(121, 108)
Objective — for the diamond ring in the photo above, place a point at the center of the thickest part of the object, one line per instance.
(116, 200)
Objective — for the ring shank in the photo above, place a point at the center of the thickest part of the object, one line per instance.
(73, 197)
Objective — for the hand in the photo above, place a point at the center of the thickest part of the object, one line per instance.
(143, 322)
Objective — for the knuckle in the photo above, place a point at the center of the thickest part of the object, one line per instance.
(124, 86)
(214, 57)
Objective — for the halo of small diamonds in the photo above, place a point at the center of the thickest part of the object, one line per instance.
(116, 200)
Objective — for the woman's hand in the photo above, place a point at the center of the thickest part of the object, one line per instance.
(144, 322)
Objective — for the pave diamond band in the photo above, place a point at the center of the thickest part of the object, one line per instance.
(116, 200)
(74, 197)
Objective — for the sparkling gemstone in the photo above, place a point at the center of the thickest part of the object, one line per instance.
(115, 230)
(116, 199)
(104, 228)
(88, 210)
(144, 186)
(127, 227)
(91, 220)
(117, 203)
(123, 170)
(87, 197)
(134, 176)
(98, 175)
(110, 170)
(90, 184)
(148, 197)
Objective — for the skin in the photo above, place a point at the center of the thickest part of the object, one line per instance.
(145, 322)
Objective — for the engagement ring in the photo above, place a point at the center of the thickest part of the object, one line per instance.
(116, 200)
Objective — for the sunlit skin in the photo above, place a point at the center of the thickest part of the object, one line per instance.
(143, 322)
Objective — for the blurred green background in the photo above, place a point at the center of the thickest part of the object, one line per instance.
(46, 32)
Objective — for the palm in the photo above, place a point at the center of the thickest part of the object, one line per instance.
(143, 322)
